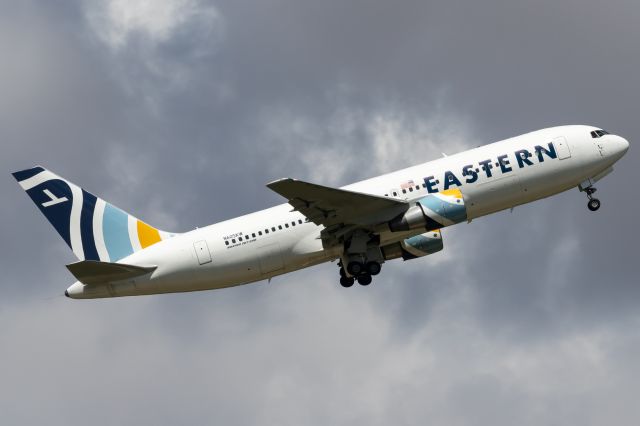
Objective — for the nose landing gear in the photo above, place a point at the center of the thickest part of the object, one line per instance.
(594, 203)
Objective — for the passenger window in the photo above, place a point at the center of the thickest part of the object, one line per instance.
(253, 235)
(280, 227)
(259, 232)
(286, 225)
(293, 223)
(266, 231)
(273, 229)
(226, 243)
(411, 189)
(395, 194)
(300, 221)
(239, 238)
(404, 191)
(233, 241)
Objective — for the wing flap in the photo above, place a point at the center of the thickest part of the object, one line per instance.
(95, 272)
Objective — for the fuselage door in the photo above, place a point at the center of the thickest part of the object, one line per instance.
(562, 147)
(202, 252)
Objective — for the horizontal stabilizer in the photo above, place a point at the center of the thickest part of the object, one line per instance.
(95, 272)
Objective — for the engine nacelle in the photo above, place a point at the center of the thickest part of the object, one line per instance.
(434, 211)
(414, 247)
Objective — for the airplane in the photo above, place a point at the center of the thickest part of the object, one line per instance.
(394, 216)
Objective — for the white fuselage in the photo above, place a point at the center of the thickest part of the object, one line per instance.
(240, 251)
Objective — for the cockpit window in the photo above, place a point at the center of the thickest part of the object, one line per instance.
(598, 133)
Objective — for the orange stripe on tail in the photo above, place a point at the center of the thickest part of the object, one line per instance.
(148, 235)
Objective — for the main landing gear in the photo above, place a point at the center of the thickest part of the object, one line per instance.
(362, 272)
(362, 259)
(594, 203)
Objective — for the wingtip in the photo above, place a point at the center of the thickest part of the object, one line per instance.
(277, 181)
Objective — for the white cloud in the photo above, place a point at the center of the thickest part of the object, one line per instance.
(359, 143)
(295, 353)
(156, 46)
(116, 21)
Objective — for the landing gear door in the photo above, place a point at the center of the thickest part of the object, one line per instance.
(202, 252)
(562, 147)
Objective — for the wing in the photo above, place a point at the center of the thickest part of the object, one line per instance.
(338, 209)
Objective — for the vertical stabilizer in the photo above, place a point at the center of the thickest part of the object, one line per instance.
(91, 227)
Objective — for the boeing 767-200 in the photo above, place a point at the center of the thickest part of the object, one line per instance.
(363, 225)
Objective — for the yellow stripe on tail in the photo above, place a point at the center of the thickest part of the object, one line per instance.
(147, 234)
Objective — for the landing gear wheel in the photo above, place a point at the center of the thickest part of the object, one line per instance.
(594, 204)
(373, 268)
(364, 279)
(355, 268)
(346, 282)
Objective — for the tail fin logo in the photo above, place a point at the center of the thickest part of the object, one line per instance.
(93, 228)
(53, 200)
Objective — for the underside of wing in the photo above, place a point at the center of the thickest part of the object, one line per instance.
(328, 206)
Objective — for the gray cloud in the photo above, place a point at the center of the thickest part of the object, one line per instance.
(181, 115)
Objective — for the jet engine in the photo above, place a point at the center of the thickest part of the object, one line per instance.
(434, 211)
(414, 247)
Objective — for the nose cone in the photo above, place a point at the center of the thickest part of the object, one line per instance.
(619, 147)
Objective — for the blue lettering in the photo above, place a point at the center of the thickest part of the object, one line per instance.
(486, 166)
(471, 174)
(504, 164)
(431, 183)
(522, 156)
(551, 153)
(450, 179)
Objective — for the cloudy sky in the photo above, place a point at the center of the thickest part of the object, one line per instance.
(179, 111)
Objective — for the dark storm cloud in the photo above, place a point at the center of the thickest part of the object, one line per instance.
(180, 111)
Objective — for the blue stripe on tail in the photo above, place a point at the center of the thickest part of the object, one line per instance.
(115, 225)
(86, 226)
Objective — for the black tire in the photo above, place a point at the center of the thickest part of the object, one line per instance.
(355, 268)
(364, 279)
(594, 204)
(373, 268)
(346, 282)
